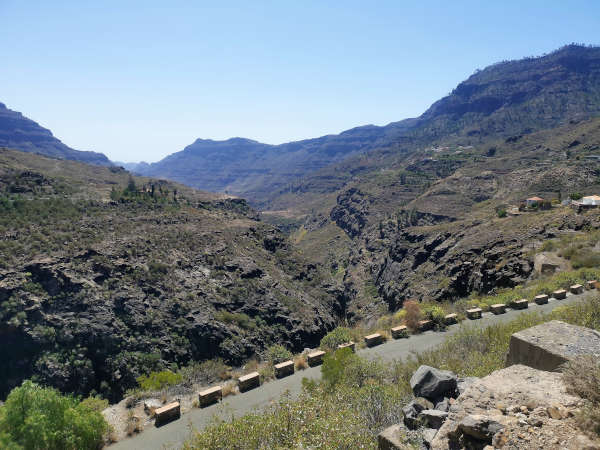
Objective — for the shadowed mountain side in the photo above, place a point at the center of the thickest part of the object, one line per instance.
(21, 133)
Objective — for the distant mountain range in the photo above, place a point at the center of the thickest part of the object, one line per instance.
(506, 98)
(20, 133)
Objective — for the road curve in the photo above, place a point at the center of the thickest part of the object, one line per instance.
(174, 434)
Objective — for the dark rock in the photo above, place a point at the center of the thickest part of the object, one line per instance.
(433, 418)
(412, 410)
(479, 427)
(433, 383)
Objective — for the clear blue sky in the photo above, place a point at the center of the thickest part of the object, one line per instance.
(140, 80)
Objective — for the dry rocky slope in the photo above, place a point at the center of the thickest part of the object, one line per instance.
(525, 405)
(411, 208)
(99, 285)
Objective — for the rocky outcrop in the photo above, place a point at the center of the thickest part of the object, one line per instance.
(351, 211)
(510, 409)
(539, 347)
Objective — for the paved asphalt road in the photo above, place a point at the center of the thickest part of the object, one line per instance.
(175, 433)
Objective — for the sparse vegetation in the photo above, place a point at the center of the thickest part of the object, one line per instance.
(582, 378)
(358, 398)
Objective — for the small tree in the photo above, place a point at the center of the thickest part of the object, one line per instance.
(34, 417)
(131, 187)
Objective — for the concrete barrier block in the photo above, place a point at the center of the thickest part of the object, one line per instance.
(167, 413)
(474, 313)
(541, 299)
(520, 304)
(425, 325)
(249, 381)
(549, 345)
(315, 358)
(576, 289)
(561, 294)
(284, 369)
(373, 339)
(591, 284)
(400, 332)
(210, 396)
(451, 319)
(498, 308)
(351, 345)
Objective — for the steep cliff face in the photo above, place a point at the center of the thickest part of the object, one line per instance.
(19, 132)
(444, 238)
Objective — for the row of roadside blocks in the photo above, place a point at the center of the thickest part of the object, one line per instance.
(252, 380)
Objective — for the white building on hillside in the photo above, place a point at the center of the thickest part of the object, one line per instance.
(591, 200)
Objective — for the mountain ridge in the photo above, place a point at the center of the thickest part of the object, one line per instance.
(508, 97)
(21, 133)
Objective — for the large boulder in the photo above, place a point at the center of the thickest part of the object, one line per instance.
(433, 384)
(433, 418)
(549, 345)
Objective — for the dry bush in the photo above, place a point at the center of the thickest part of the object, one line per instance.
(266, 371)
(134, 424)
(229, 388)
(582, 378)
(413, 314)
(112, 437)
(252, 365)
(300, 362)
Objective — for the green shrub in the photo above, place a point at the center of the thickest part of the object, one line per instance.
(334, 365)
(434, 313)
(277, 353)
(34, 417)
(242, 320)
(338, 336)
(156, 381)
(501, 213)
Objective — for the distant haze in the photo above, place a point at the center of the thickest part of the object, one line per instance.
(140, 80)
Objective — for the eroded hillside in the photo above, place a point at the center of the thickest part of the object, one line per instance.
(428, 227)
(105, 277)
